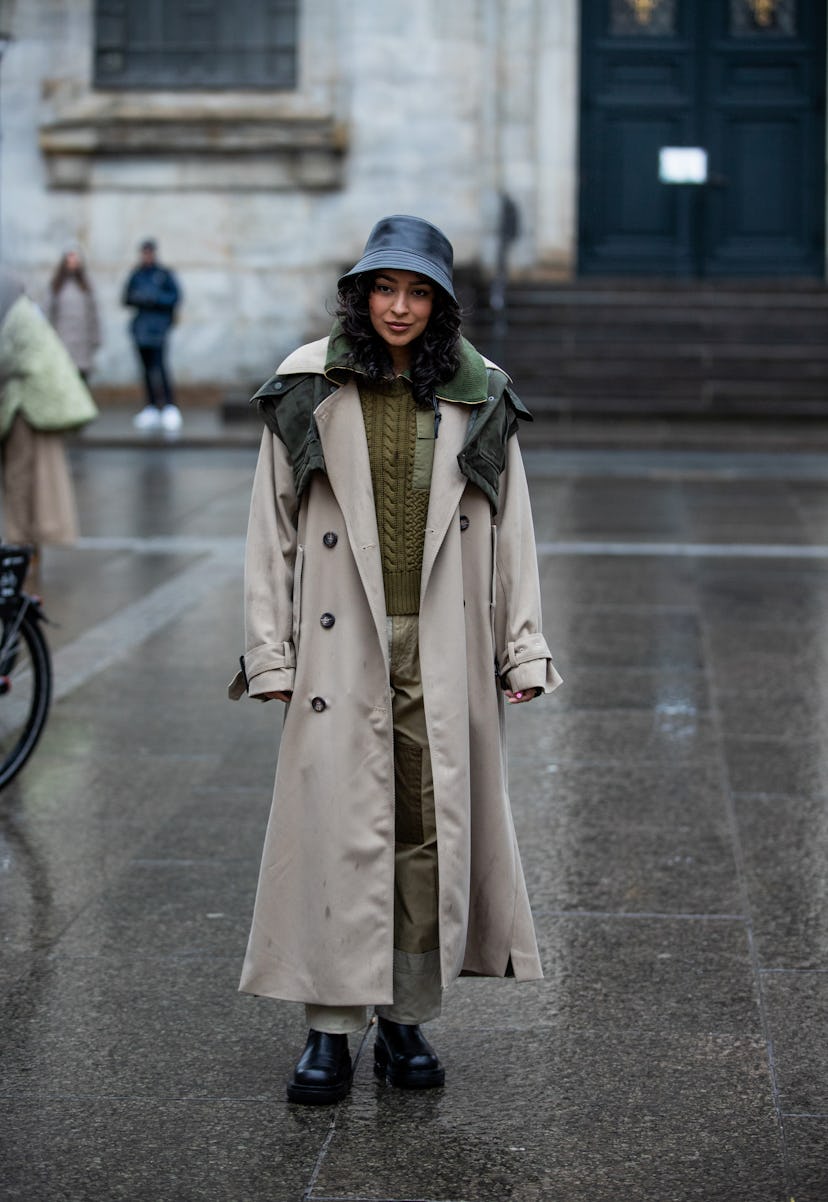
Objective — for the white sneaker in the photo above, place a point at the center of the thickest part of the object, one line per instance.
(171, 417)
(148, 419)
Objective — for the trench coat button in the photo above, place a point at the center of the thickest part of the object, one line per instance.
(330, 539)
(327, 620)
(319, 704)
(464, 522)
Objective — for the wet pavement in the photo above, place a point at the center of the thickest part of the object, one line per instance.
(670, 802)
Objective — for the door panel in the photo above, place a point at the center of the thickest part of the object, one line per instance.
(742, 79)
(639, 220)
(637, 209)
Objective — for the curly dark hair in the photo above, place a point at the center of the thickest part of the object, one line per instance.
(435, 355)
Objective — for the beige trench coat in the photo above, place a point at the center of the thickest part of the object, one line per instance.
(322, 928)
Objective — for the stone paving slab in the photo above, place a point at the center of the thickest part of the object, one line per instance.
(669, 801)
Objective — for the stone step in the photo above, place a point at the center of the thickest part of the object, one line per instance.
(667, 405)
(663, 346)
(631, 355)
(552, 325)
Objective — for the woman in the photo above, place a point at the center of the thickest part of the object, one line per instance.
(392, 603)
(73, 311)
(42, 397)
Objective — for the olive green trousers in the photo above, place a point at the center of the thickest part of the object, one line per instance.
(416, 969)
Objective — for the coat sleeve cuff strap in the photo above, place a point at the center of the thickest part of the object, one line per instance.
(267, 668)
(528, 664)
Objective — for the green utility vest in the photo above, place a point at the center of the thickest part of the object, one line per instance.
(287, 403)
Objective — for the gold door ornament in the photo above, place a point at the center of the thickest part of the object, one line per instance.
(643, 10)
(634, 18)
(752, 17)
(763, 11)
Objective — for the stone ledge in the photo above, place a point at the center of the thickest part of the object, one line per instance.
(191, 146)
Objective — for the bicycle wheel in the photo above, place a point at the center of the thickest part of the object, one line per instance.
(25, 690)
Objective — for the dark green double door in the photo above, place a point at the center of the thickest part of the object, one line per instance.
(742, 79)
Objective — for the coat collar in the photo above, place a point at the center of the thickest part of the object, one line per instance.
(307, 358)
(469, 384)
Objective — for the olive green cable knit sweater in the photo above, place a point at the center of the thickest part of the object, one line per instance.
(401, 448)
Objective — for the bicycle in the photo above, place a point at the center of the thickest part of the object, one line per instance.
(25, 664)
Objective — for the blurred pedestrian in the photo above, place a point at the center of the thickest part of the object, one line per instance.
(154, 293)
(41, 397)
(73, 312)
(392, 602)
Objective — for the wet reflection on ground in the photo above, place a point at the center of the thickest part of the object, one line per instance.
(670, 802)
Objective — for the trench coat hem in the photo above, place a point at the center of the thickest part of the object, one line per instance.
(525, 967)
(261, 986)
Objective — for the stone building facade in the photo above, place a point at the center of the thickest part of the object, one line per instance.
(117, 124)
(258, 197)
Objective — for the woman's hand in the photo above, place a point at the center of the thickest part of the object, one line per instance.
(521, 696)
(280, 695)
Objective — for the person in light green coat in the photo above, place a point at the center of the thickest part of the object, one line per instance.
(41, 398)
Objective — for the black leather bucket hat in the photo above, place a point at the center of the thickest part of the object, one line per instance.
(411, 244)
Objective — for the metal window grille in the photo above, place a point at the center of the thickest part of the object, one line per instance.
(195, 43)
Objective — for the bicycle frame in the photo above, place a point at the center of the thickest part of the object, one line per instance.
(14, 603)
(13, 564)
(25, 664)
(13, 613)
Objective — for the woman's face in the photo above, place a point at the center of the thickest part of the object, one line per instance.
(399, 305)
(72, 260)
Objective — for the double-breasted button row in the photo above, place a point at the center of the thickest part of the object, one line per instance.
(330, 538)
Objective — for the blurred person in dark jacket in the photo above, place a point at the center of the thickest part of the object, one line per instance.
(73, 311)
(153, 291)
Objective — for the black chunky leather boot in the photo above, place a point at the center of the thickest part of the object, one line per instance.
(405, 1058)
(324, 1071)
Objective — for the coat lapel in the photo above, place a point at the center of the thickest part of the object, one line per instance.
(342, 435)
(447, 484)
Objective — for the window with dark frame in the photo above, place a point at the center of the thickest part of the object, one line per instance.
(189, 44)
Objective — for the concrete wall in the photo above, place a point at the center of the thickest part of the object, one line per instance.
(257, 199)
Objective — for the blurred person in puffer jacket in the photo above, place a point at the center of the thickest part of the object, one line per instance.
(42, 397)
(154, 293)
(73, 311)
